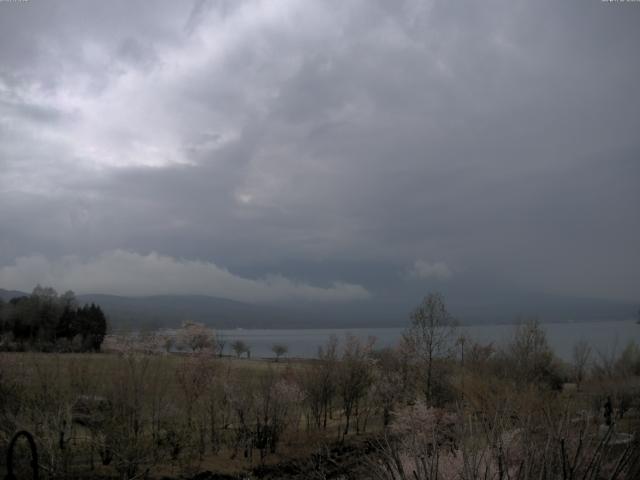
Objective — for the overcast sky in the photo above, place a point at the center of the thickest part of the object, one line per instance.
(335, 151)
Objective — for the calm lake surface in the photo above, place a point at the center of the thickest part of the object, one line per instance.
(604, 337)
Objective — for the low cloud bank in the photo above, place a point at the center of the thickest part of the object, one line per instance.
(126, 273)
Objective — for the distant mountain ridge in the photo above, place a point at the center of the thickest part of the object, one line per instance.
(157, 311)
(171, 310)
(7, 295)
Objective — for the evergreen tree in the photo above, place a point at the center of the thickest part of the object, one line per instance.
(66, 323)
(43, 318)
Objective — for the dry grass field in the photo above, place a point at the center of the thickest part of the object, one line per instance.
(393, 414)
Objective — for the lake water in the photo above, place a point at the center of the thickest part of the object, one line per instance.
(604, 337)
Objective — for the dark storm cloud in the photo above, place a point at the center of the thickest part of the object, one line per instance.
(428, 142)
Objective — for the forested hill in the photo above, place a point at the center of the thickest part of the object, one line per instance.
(7, 295)
(171, 310)
(469, 308)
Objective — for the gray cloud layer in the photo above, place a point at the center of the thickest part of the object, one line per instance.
(126, 273)
(491, 139)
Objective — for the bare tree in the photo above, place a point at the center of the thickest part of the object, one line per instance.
(430, 334)
(279, 349)
(221, 342)
(355, 376)
(318, 383)
(193, 376)
(389, 381)
(581, 356)
(275, 401)
(529, 356)
(240, 347)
